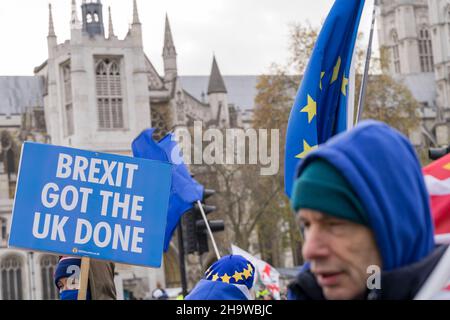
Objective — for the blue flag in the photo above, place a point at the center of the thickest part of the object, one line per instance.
(320, 108)
(185, 190)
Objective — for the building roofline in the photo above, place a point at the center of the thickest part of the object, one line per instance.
(42, 66)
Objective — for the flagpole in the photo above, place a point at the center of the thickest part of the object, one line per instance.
(351, 95)
(362, 94)
(181, 256)
(209, 230)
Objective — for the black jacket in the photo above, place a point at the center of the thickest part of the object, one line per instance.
(400, 284)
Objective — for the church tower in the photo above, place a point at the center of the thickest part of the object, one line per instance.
(97, 87)
(92, 11)
(404, 30)
(416, 34)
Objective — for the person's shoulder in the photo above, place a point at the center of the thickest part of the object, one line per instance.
(404, 283)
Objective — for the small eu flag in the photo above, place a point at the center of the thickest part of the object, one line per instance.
(185, 190)
(320, 108)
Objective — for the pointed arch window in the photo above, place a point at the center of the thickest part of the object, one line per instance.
(68, 104)
(396, 52)
(3, 232)
(47, 265)
(425, 51)
(11, 278)
(109, 94)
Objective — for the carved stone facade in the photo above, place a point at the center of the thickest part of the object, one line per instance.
(417, 35)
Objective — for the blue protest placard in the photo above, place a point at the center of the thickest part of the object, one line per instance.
(89, 204)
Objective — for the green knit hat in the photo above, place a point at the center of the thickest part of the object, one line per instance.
(322, 187)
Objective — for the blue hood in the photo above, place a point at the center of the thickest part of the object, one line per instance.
(382, 167)
(215, 290)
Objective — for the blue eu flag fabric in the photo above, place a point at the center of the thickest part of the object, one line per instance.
(185, 190)
(320, 108)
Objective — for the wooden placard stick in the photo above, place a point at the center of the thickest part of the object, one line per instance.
(84, 278)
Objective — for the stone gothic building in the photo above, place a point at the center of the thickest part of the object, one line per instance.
(417, 35)
(98, 92)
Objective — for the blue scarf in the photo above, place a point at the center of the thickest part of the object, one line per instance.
(72, 295)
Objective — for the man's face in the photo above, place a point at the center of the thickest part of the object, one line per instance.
(340, 252)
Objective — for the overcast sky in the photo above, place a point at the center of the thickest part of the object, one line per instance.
(246, 35)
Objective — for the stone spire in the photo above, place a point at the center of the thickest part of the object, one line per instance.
(111, 27)
(169, 46)
(135, 13)
(74, 21)
(216, 83)
(51, 28)
(169, 54)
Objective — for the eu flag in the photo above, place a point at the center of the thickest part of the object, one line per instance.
(185, 190)
(320, 108)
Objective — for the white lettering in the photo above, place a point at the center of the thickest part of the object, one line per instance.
(108, 172)
(78, 232)
(136, 240)
(81, 164)
(124, 237)
(64, 162)
(107, 239)
(84, 200)
(119, 174)
(124, 205)
(64, 193)
(46, 228)
(131, 168)
(105, 203)
(58, 228)
(93, 170)
(54, 198)
(136, 207)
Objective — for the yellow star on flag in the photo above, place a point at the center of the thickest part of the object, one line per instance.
(336, 69)
(311, 109)
(447, 166)
(226, 278)
(249, 266)
(344, 86)
(322, 74)
(247, 274)
(215, 277)
(306, 149)
(237, 276)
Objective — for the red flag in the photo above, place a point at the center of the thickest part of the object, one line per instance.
(437, 179)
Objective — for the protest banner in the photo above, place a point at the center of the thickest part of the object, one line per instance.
(89, 204)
